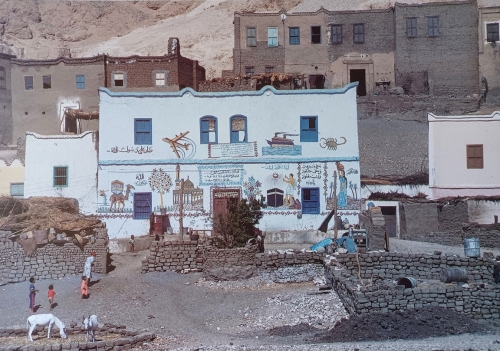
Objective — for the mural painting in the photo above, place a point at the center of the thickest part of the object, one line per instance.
(233, 150)
(180, 145)
(117, 198)
(251, 188)
(331, 143)
(161, 182)
(192, 198)
(282, 145)
(133, 149)
(221, 175)
(281, 189)
(343, 190)
(139, 180)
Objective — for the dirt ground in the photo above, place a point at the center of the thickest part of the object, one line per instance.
(188, 313)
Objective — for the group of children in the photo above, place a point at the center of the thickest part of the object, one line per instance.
(84, 287)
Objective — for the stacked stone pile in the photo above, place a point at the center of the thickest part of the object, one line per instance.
(379, 292)
(50, 261)
(127, 340)
(177, 256)
(230, 264)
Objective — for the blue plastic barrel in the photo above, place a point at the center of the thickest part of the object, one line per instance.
(322, 243)
(471, 247)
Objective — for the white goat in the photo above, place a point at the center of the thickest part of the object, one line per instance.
(44, 319)
(90, 323)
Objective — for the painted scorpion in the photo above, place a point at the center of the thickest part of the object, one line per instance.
(331, 143)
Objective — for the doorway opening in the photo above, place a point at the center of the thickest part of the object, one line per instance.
(359, 75)
(389, 213)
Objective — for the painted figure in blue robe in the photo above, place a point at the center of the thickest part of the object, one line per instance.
(342, 196)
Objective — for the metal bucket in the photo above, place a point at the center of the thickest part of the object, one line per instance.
(471, 247)
(408, 282)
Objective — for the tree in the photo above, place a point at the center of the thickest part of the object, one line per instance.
(161, 182)
(237, 225)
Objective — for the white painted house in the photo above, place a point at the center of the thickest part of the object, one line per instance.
(282, 147)
(464, 155)
(62, 165)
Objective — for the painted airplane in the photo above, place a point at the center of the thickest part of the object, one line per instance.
(174, 143)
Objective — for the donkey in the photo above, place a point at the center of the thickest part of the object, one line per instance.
(90, 324)
(44, 319)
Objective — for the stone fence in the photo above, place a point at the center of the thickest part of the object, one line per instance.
(126, 339)
(50, 261)
(230, 264)
(379, 292)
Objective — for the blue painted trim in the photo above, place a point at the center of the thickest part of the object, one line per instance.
(229, 94)
(248, 160)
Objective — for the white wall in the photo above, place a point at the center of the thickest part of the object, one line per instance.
(77, 152)
(483, 212)
(448, 140)
(268, 111)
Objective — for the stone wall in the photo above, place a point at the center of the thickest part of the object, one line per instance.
(127, 338)
(174, 256)
(232, 264)
(49, 261)
(488, 234)
(421, 219)
(374, 223)
(478, 299)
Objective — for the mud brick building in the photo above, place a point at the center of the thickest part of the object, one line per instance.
(410, 45)
(43, 91)
(5, 98)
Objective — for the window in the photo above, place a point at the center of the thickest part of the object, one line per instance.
(238, 129)
(249, 71)
(272, 36)
(336, 34)
(269, 69)
(118, 79)
(28, 82)
(316, 35)
(251, 36)
(475, 156)
(47, 82)
(492, 32)
(308, 128)
(160, 79)
(142, 205)
(294, 34)
(80, 81)
(310, 200)
(60, 176)
(433, 26)
(208, 130)
(17, 189)
(359, 33)
(2, 77)
(411, 27)
(143, 131)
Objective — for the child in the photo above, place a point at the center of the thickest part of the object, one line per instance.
(85, 288)
(33, 292)
(51, 295)
(131, 243)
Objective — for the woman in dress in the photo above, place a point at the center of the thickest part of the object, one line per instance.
(87, 269)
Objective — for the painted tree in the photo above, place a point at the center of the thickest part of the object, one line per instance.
(161, 182)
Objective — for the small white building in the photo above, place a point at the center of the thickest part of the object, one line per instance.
(464, 155)
(280, 147)
(62, 165)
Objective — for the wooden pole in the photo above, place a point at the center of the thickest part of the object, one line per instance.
(335, 230)
(181, 207)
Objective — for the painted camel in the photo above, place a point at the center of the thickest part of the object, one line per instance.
(117, 199)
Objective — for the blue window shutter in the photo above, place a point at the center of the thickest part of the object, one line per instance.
(142, 205)
(309, 129)
(310, 201)
(143, 131)
(234, 137)
(204, 131)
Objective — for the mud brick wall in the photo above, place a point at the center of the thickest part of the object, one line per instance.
(128, 338)
(488, 235)
(421, 219)
(173, 256)
(228, 84)
(374, 223)
(478, 299)
(420, 266)
(452, 216)
(49, 261)
(258, 57)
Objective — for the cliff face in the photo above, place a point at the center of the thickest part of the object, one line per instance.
(39, 29)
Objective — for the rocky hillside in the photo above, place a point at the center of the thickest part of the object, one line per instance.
(39, 28)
